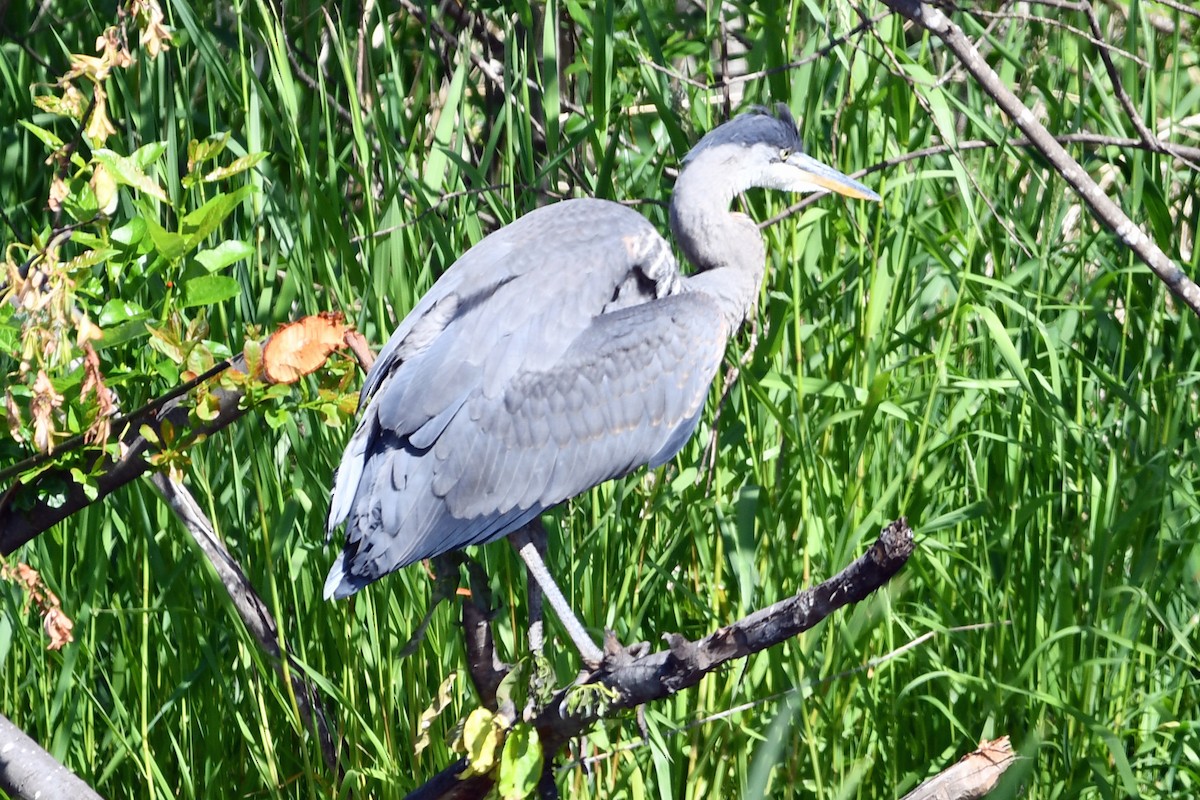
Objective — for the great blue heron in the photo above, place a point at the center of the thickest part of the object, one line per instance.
(561, 351)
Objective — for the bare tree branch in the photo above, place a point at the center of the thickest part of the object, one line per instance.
(644, 679)
(631, 679)
(253, 611)
(27, 771)
(483, 663)
(1102, 206)
(1114, 77)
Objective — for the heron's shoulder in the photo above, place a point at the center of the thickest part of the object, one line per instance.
(587, 216)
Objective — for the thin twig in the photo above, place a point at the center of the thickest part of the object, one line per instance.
(1102, 206)
(19, 525)
(1180, 7)
(1090, 139)
(250, 608)
(1093, 38)
(119, 423)
(1123, 98)
(826, 49)
(1001, 219)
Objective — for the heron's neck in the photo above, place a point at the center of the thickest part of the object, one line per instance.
(726, 248)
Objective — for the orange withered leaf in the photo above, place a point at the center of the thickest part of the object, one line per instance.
(93, 381)
(58, 627)
(55, 622)
(45, 400)
(301, 347)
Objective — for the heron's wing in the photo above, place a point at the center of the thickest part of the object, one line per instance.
(514, 302)
(627, 392)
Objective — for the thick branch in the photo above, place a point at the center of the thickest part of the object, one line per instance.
(657, 675)
(27, 771)
(639, 679)
(1103, 207)
(483, 662)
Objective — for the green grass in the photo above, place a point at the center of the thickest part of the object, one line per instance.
(972, 353)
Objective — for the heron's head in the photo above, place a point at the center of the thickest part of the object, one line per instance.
(762, 148)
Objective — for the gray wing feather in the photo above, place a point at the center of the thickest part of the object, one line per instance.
(643, 396)
(524, 376)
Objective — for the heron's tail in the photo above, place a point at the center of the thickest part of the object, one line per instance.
(340, 583)
(349, 474)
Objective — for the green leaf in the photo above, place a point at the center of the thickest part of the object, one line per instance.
(208, 217)
(51, 140)
(520, 763)
(209, 290)
(117, 311)
(436, 162)
(131, 233)
(1000, 338)
(86, 482)
(148, 433)
(81, 202)
(147, 154)
(482, 735)
(237, 166)
(206, 149)
(127, 173)
(90, 258)
(121, 333)
(224, 254)
(170, 245)
(512, 688)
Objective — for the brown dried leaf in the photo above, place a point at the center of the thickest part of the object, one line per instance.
(93, 381)
(59, 191)
(301, 347)
(25, 576)
(154, 36)
(73, 101)
(55, 622)
(99, 126)
(45, 400)
(94, 68)
(13, 415)
(113, 49)
(58, 627)
(105, 188)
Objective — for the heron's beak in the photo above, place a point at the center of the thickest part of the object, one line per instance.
(819, 176)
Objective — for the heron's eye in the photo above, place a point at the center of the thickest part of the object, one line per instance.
(784, 153)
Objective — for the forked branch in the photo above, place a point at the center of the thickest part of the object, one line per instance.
(634, 680)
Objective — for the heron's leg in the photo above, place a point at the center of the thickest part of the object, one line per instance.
(536, 635)
(530, 540)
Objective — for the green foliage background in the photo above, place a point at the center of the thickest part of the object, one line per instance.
(973, 353)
